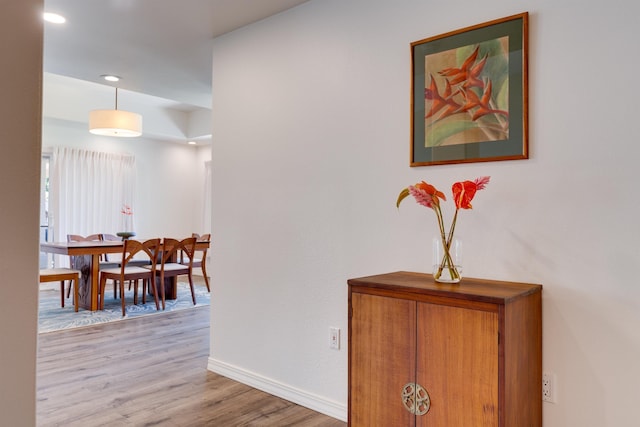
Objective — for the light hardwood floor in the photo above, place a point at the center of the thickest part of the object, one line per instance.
(150, 371)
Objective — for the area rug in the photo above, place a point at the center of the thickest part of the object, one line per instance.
(52, 317)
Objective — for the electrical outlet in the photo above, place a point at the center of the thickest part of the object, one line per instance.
(334, 338)
(549, 387)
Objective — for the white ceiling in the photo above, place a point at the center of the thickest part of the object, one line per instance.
(160, 48)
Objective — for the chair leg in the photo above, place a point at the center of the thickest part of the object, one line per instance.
(115, 288)
(101, 286)
(76, 295)
(62, 293)
(193, 292)
(146, 287)
(203, 266)
(144, 293)
(124, 309)
(152, 287)
(162, 290)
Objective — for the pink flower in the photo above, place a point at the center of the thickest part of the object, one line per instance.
(422, 197)
(425, 194)
(126, 210)
(482, 182)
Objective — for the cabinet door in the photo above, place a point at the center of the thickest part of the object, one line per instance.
(382, 360)
(457, 352)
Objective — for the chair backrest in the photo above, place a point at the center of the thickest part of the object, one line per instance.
(199, 238)
(151, 248)
(204, 238)
(172, 248)
(110, 238)
(79, 238)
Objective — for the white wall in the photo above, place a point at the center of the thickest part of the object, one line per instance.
(21, 58)
(311, 111)
(170, 176)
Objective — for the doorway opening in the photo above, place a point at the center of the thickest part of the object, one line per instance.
(46, 223)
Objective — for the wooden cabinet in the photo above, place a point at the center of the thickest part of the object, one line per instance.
(428, 354)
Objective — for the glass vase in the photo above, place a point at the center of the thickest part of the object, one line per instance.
(127, 223)
(447, 259)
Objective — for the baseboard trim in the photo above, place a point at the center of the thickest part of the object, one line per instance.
(292, 394)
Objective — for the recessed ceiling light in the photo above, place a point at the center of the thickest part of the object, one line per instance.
(54, 18)
(110, 78)
(191, 143)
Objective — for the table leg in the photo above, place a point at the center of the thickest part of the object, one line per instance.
(88, 284)
(170, 287)
(95, 280)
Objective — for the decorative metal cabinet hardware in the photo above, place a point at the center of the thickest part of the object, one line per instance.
(415, 399)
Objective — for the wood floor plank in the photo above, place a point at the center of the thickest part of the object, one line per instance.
(150, 371)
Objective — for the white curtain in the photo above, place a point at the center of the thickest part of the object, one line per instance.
(89, 190)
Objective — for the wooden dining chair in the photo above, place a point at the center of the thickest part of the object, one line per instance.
(170, 265)
(114, 238)
(61, 275)
(151, 248)
(200, 257)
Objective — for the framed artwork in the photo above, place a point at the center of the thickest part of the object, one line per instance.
(469, 94)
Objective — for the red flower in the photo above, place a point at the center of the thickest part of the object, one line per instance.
(463, 192)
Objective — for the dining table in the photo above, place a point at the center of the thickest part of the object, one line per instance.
(86, 258)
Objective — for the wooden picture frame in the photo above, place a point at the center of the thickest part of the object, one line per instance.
(469, 94)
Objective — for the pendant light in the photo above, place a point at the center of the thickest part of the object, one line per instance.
(115, 122)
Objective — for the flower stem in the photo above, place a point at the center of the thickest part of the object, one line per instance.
(447, 261)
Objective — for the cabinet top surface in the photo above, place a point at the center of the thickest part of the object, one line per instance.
(468, 288)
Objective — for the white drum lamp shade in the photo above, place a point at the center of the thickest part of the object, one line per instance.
(115, 122)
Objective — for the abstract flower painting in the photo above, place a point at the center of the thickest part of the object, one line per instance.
(469, 94)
